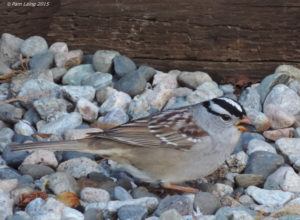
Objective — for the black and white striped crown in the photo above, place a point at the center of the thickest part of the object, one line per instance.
(223, 105)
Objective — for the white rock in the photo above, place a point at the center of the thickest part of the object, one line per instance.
(58, 47)
(290, 147)
(290, 70)
(278, 117)
(89, 194)
(117, 99)
(193, 79)
(74, 93)
(237, 162)
(44, 157)
(204, 92)
(23, 127)
(72, 214)
(45, 210)
(171, 214)
(6, 204)
(240, 215)
(8, 184)
(269, 197)
(259, 145)
(168, 80)
(223, 189)
(87, 109)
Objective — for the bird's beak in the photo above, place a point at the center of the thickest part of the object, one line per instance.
(245, 125)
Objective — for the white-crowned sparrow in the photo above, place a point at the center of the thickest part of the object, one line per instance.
(172, 146)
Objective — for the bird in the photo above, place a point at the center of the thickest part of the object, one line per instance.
(169, 147)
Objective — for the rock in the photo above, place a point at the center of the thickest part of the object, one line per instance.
(93, 214)
(259, 120)
(121, 194)
(58, 73)
(171, 214)
(259, 145)
(36, 86)
(34, 45)
(237, 162)
(269, 82)
(245, 180)
(4, 69)
(285, 98)
(48, 106)
(207, 203)
(103, 60)
(132, 212)
(193, 79)
(4, 91)
(139, 106)
(227, 89)
(74, 93)
(204, 92)
(10, 48)
(278, 117)
(35, 170)
(103, 94)
(246, 137)
(117, 116)
(10, 113)
(16, 193)
(87, 109)
(181, 203)
(117, 99)
(285, 178)
(225, 212)
(68, 155)
(289, 147)
(268, 197)
(9, 173)
(263, 163)
(89, 194)
(167, 80)
(44, 157)
(297, 133)
(69, 59)
(62, 182)
(279, 133)
(291, 208)
(132, 83)
(237, 215)
(113, 206)
(15, 158)
(74, 134)
(78, 167)
(223, 189)
(289, 70)
(61, 124)
(123, 65)
(98, 80)
(58, 47)
(69, 213)
(8, 185)
(6, 135)
(6, 202)
(147, 72)
(23, 127)
(140, 192)
(75, 75)
(41, 61)
(25, 181)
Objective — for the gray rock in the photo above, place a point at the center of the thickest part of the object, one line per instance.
(171, 214)
(62, 182)
(263, 163)
(123, 65)
(147, 72)
(10, 113)
(91, 194)
(78, 167)
(34, 45)
(274, 135)
(58, 73)
(6, 135)
(140, 192)
(4, 91)
(237, 162)
(93, 214)
(250, 99)
(4, 69)
(289, 70)
(117, 99)
(9, 173)
(259, 145)
(103, 60)
(10, 48)
(74, 93)
(15, 158)
(36, 86)
(118, 116)
(98, 80)
(227, 88)
(20, 215)
(132, 212)
(68, 155)
(269, 82)
(31, 116)
(193, 79)
(71, 213)
(297, 133)
(7, 203)
(204, 92)
(259, 120)
(285, 98)
(121, 194)
(181, 203)
(23, 127)
(289, 147)
(41, 61)
(87, 109)
(75, 75)
(47, 107)
(268, 197)
(69, 59)
(225, 212)
(61, 124)
(58, 47)
(132, 83)
(245, 180)
(35, 170)
(208, 203)
(237, 215)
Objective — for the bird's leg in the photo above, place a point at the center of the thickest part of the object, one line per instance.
(181, 188)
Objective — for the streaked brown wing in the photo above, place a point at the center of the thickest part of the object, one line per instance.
(171, 128)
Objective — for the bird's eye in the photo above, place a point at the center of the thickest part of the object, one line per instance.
(226, 117)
